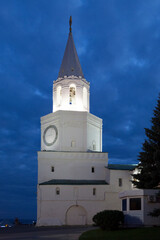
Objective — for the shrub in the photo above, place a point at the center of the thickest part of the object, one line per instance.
(109, 219)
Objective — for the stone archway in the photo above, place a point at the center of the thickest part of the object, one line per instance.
(76, 215)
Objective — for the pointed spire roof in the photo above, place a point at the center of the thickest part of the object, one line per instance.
(70, 63)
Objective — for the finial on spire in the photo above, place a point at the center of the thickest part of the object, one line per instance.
(70, 24)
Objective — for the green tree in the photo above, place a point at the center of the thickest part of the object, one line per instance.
(148, 175)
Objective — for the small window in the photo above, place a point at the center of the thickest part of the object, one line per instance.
(73, 144)
(52, 169)
(124, 205)
(92, 170)
(120, 182)
(94, 145)
(94, 191)
(135, 203)
(57, 191)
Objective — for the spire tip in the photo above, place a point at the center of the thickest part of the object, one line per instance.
(70, 24)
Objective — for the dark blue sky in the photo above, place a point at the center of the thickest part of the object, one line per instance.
(118, 43)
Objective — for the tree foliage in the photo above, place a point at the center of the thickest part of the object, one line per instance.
(148, 175)
(155, 213)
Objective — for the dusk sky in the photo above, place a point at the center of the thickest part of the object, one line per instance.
(118, 44)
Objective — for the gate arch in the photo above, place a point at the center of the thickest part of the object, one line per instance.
(76, 215)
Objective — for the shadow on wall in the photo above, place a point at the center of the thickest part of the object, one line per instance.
(132, 220)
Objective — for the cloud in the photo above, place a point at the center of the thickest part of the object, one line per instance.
(77, 3)
(137, 62)
(22, 167)
(40, 94)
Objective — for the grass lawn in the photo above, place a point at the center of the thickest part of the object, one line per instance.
(125, 234)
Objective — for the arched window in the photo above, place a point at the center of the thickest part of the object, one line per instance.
(94, 191)
(94, 145)
(72, 94)
(85, 97)
(73, 143)
(52, 169)
(59, 95)
(57, 191)
(92, 169)
(120, 182)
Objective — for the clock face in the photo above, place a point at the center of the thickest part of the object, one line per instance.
(50, 135)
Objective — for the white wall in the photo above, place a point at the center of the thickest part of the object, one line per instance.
(52, 209)
(81, 127)
(126, 177)
(71, 165)
(149, 207)
(94, 133)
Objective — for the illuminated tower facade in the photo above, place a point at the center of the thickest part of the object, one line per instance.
(72, 169)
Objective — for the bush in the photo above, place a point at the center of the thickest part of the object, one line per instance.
(109, 219)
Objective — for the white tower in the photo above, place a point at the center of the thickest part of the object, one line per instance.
(71, 161)
(71, 127)
(72, 169)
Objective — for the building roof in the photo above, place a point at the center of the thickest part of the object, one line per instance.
(130, 167)
(74, 182)
(70, 63)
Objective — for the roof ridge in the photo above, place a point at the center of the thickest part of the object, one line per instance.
(74, 182)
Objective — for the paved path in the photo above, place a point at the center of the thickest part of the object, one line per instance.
(63, 233)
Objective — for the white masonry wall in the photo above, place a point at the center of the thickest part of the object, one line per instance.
(82, 128)
(75, 200)
(72, 165)
(124, 175)
(52, 209)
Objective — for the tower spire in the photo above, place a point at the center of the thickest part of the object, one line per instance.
(70, 63)
(70, 24)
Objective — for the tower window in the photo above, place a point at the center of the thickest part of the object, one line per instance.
(57, 191)
(85, 97)
(94, 145)
(92, 170)
(52, 168)
(73, 144)
(72, 93)
(120, 182)
(94, 191)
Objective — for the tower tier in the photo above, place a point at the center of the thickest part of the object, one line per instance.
(71, 131)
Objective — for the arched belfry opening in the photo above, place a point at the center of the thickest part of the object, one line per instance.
(59, 95)
(85, 97)
(72, 94)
